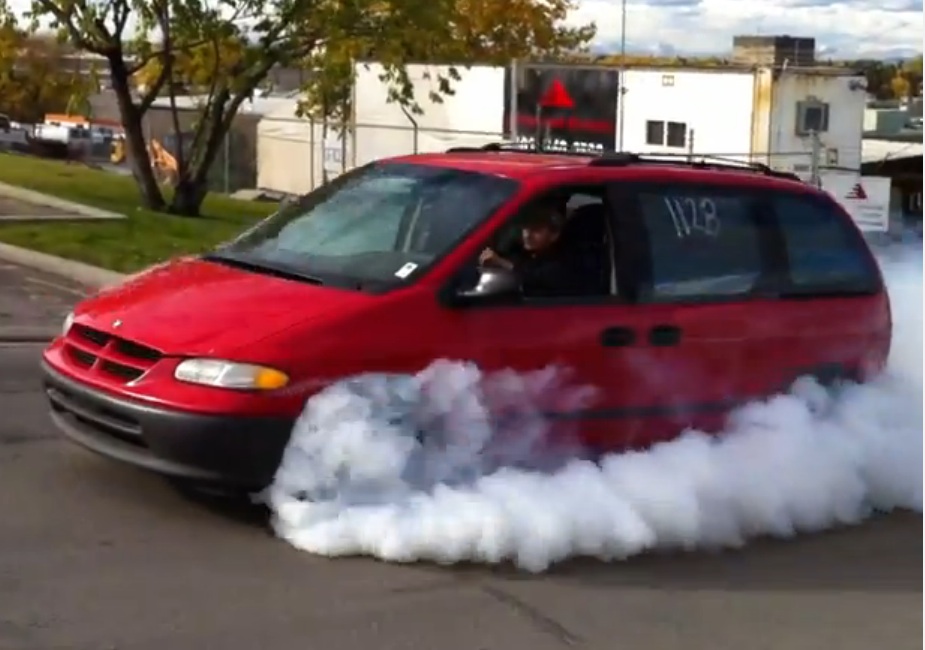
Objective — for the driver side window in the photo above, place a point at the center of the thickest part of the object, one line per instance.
(579, 263)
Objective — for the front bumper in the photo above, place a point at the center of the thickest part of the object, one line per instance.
(232, 451)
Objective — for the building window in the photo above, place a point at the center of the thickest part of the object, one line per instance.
(655, 133)
(812, 116)
(666, 134)
(677, 134)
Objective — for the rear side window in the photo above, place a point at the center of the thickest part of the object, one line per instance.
(825, 254)
(702, 243)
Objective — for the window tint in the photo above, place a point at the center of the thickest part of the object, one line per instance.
(702, 243)
(824, 253)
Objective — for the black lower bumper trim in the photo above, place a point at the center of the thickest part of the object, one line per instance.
(232, 451)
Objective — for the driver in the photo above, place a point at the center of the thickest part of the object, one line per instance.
(543, 267)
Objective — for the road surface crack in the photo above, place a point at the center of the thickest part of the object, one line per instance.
(541, 620)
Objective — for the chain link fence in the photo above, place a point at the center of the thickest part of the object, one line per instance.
(296, 155)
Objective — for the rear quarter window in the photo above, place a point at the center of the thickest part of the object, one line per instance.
(825, 254)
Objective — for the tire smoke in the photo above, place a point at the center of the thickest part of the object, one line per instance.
(413, 468)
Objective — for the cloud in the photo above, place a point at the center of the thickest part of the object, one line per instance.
(666, 3)
(842, 29)
(849, 28)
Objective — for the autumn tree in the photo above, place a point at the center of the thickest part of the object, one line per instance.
(912, 72)
(899, 85)
(193, 69)
(36, 78)
(888, 80)
(452, 32)
(227, 49)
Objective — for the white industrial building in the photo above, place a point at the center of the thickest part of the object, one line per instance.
(765, 114)
(762, 113)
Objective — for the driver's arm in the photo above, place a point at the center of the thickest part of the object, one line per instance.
(490, 258)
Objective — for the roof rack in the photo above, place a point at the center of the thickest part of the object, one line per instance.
(513, 147)
(627, 158)
(700, 161)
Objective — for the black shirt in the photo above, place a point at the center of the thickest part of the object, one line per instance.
(550, 273)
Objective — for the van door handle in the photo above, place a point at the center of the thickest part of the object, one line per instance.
(665, 335)
(618, 337)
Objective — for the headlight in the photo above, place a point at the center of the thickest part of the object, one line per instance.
(68, 321)
(228, 374)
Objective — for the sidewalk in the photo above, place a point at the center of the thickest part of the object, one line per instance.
(33, 304)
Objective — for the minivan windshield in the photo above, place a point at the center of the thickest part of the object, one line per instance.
(377, 225)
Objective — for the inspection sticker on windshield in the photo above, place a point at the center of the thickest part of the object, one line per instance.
(406, 270)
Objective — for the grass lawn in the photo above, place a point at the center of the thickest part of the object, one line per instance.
(126, 245)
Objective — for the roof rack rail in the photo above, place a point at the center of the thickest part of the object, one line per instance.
(513, 147)
(627, 158)
(700, 161)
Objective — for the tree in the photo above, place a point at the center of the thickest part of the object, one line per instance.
(194, 70)
(453, 32)
(36, 79)
(899, 86)
(912, 71)
(228, 49)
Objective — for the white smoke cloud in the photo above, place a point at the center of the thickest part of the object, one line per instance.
(356, 480)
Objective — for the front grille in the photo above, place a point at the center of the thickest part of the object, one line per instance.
(89, 334)
(110, 355)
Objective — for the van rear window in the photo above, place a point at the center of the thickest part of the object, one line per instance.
(825, 254)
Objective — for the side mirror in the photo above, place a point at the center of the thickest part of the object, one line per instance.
(494, 285)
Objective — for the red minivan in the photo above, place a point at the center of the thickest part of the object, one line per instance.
(705, 284)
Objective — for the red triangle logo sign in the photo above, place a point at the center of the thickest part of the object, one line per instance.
(557, 97)
(857, 192)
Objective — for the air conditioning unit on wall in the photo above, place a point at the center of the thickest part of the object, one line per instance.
(812, 116)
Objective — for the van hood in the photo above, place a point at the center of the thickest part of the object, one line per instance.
(194, 307)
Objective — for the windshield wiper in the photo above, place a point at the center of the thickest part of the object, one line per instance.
(262, 267)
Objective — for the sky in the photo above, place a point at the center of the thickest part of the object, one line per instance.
(845, 29)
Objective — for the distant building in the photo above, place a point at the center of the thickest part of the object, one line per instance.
(893, 117)
(774, 51)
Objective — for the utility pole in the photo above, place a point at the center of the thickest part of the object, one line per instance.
(621, 94)
(514, 86)
(816, 150)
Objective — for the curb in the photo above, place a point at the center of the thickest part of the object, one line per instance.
(90, 276)
(37, 198)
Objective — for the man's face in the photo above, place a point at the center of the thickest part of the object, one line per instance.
(538, 237)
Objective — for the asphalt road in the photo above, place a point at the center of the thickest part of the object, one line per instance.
(96, 556)
(33, 304)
